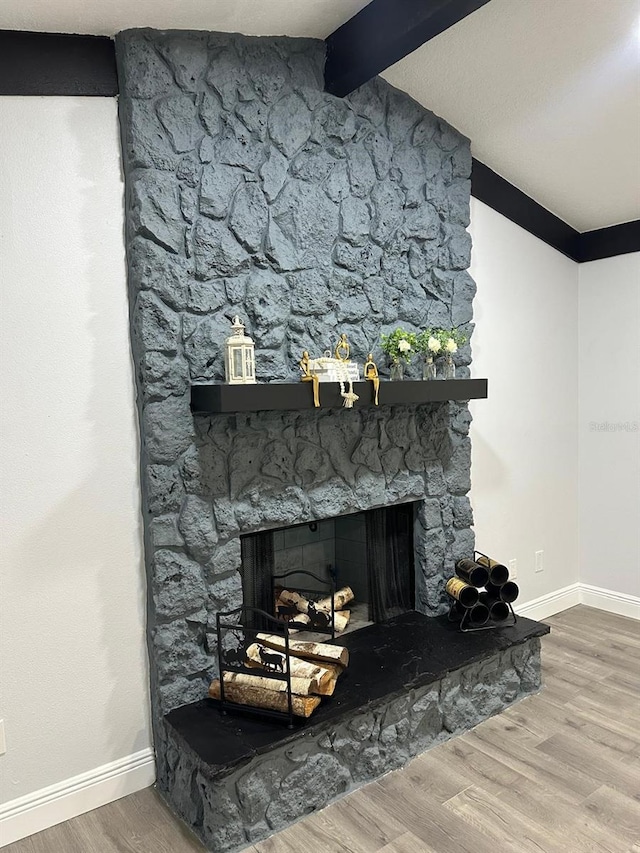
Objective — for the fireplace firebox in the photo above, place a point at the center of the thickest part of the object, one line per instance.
(370, 552)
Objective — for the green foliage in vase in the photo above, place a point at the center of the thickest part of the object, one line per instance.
(399, 344)
(429, 343)
(436, 342)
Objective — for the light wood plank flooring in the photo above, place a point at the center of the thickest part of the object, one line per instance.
(557, 772)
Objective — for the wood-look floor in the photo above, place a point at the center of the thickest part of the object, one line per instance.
(557, 772)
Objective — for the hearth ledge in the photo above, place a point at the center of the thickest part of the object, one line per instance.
(272, 777)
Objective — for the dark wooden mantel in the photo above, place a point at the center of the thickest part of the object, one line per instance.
(220, 398)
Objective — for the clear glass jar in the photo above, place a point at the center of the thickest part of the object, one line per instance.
(397, 370)
(449, 368)
(429, 368)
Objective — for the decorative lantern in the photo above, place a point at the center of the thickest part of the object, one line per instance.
(239, 356)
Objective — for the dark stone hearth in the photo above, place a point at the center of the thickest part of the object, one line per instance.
(412, 682)
(387, 661)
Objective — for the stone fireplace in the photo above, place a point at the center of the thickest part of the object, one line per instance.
(251, 191)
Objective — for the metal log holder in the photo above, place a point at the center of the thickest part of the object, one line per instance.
(229, 621)
(465, 626)
(310, 595)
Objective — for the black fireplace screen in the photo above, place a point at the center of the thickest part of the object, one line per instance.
(257, 573)
(372, 552)
(390, 561)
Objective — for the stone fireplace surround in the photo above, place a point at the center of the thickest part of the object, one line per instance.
(249, 190)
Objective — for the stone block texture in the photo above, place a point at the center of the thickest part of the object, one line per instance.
(250, 190)
(272, 790)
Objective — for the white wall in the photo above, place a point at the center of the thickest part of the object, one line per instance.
(74, 681)
(524, 437)
(609, 360)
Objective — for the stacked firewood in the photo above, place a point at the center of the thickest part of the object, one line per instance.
(292, 606)
(314, 671)
(314, 667)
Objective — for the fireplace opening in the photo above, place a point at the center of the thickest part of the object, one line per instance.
(369, 552)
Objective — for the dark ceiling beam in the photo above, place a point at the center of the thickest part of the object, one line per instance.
(505, 198)
(384, 32)
(609, 242)
(57, 64)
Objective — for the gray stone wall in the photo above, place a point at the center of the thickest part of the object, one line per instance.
(273, 790)
(250, 190)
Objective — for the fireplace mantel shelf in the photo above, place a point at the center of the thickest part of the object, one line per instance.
(219, 398)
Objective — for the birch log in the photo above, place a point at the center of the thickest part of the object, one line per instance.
(324, 677)
(294, 599)
(341, 598)
(299, 686)
(341, 620)
(302, 706)
(310, 651)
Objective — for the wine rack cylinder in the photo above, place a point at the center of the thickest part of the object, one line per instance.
(508, 591)
(472, 572)
(498, 573)
(477, 615)
(463, 593)
(498, 609)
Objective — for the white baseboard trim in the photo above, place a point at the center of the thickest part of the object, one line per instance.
(47, 807)
(620, 603)
(551, 603)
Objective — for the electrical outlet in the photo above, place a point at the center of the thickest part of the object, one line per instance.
(539, 561)
(3, 740)
(513, 569)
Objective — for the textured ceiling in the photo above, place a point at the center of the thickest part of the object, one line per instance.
(549, 93)
(547, 90)
(314, 18)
